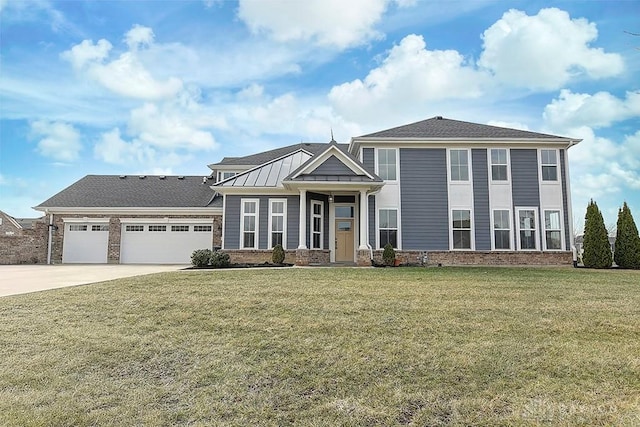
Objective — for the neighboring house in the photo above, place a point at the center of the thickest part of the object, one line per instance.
(440, 191)
(579, 242)
(22, 240)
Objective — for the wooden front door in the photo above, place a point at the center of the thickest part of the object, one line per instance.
(344, 240)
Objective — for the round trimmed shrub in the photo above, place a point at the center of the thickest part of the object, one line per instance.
(200, 257)
(388, 255)
(220, 259)
(278, 254)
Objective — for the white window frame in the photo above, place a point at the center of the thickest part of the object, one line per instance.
(494, 229)
(470, 229)
(100, 227)
(450, 165)
(378, 172)
(180, 228)
(155, 228)
(284, 221)
(396, 228)
(505, 164)
(560, 229)
(222, 177)
(312, 231)
(536, 229)
(543, 165)
(133, 228)
(256, 216)
(78, 227)
(202, 228)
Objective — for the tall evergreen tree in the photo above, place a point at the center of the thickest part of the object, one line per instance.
(627, 251)
(597, 251)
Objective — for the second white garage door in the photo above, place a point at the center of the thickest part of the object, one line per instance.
(163, 243)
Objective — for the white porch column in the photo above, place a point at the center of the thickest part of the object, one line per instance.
(364, 213)
(302, 231)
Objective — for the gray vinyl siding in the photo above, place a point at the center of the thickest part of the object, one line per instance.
(233, 211)
(372, 221)
(232, 222)
(565, 199)
(524, 177)
(481, 199)
(332, 166)
(423, 190)
(525, 187)
(368, 159)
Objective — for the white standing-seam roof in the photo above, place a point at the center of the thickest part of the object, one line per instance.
(269, 174)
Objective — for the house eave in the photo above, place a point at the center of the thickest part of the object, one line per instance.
(357, 141)
(130, 210)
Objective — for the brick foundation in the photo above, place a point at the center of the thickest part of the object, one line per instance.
(257, 256)
(444, 258)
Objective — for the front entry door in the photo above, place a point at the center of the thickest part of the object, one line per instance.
(344, 240)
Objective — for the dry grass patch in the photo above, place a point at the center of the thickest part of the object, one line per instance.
(317, 347)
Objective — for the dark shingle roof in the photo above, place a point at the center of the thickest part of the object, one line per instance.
(267, 156)
(114, 191)
(439, 127)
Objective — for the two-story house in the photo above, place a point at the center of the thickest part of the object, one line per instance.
(439, 190)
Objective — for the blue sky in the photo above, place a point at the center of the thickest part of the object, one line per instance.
(167, 87)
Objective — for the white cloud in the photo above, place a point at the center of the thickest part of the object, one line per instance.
(57, 140)
(126, 75)
(512, 125)
(324, 22)
(86, 52)
(545, 51)
(409, 78)
(139, 36)
(169, 129)
(597, 110)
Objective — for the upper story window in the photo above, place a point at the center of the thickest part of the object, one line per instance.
(225, 175)
(499, 164)
(459, 165)
(549, 162)
(249, 224)
(387, 164)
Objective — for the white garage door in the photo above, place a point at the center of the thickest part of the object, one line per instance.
(163, 243)
(85, 243)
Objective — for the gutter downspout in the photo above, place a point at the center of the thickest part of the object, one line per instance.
(50, 237)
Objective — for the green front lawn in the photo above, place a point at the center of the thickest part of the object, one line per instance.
(320, 347)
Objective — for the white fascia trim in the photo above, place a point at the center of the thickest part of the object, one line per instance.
(332, 150)
(355, 143)
(334, 186)
(86, 220)
(12, 221)
(255, 190)
(165, 220)
(133, 211)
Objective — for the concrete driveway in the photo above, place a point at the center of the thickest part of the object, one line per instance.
(22, 279)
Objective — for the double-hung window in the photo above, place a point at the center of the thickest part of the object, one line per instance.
(527, 229)
(388, 226)
(461, 229)
(549, 162)
(249, 224)
(499, 164)
(387, 164)
(552, 230)
(317, 211)
(459, 165)
(501, 229)
(277, 222)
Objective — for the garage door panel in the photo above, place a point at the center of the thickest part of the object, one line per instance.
(85, 243)
(163, 243)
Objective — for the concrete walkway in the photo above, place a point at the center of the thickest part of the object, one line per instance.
(22, 279)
